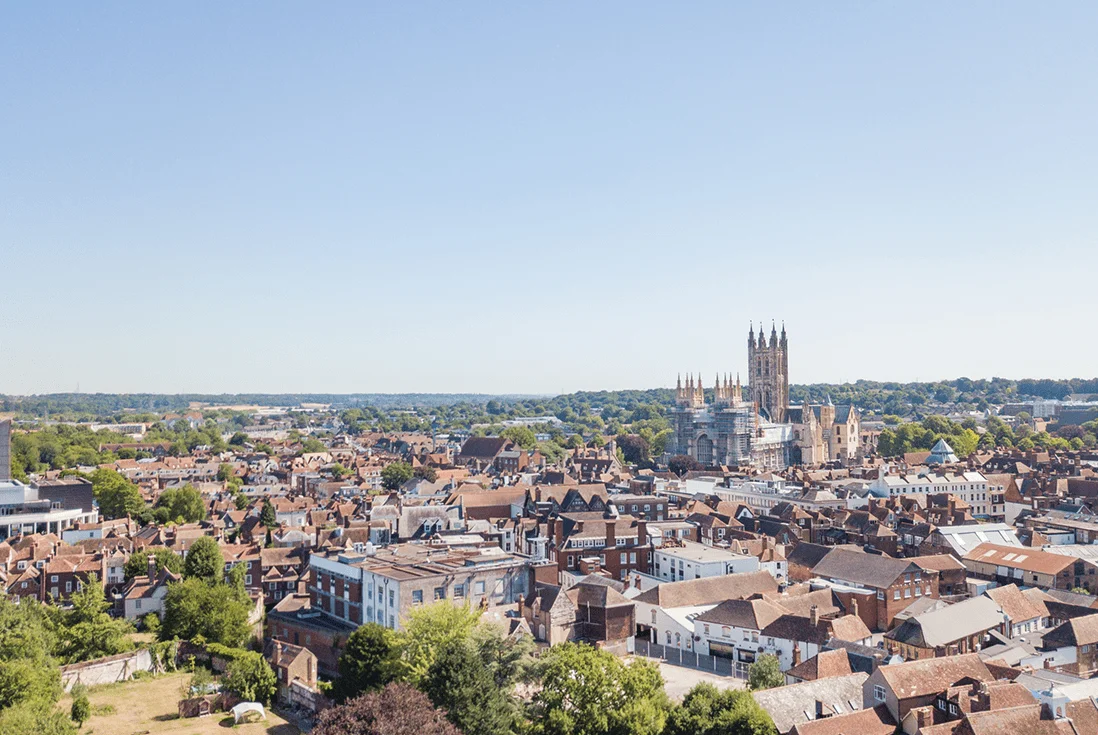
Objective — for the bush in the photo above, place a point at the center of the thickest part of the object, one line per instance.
(251, 678)
(81, 707)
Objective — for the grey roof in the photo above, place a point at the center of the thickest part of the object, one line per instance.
(942, 453)
(871, 570)
(947, 625)
(792, 705)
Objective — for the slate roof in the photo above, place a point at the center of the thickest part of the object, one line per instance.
(795, 704)
(942, 627)
(871, 570)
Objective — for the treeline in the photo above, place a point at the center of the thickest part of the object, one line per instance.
(964, 438)
(35, 640)
(448, 672)
(81, 406)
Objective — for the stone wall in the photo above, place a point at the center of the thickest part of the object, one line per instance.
(120, 667)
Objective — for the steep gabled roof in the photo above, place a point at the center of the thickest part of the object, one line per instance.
(709, 590)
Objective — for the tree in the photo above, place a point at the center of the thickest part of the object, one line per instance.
(765, 673)
(523, 436)
(426, 630)
(251, 678)
(510, 659)
(459, 683)
(225, 472)
(634, 448)
(88, 631)
(34, 679)
(205, 561)
(117, 496)
(586, 691)
(238, 439)
(138, 563)
(398, 709)
(428, 473)
(368, 662)
(680, 464)
(707, 710)
(267, 516)
(216, 612)
(395, 474)
(35, 718)
(339, 471)
(313, 446)
(81, 707)
(182, 504)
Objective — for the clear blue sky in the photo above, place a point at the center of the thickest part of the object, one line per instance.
(517, 197)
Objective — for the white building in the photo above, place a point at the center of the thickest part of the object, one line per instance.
(22, 513)
(971, 487)
(691, 560)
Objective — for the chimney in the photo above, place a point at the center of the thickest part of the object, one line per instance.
(814, 615)
(642, 532)
(152, 567)
(611, 534)
(924, 717)
(854, 606)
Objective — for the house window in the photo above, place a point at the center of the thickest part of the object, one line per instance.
(440, 593)
(878, 692)
(654, 617)
(880, 594)
(896, 595)
(705, 628)
(480, 588)
(247, 579)
(417, 597)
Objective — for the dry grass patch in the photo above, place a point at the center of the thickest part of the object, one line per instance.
(151, 707)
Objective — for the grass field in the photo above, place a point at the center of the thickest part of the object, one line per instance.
(150, 707)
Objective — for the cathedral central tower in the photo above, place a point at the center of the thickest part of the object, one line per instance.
(768, 372)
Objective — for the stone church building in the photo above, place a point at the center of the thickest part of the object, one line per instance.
(763, 431)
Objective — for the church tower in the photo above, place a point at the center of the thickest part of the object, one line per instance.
(768, 372)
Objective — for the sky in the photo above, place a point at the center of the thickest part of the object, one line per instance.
(542, 198)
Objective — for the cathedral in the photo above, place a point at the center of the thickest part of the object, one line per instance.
(762, 431)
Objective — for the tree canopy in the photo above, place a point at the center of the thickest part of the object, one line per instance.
(204, 560)
(398, 709)
(707, 710)
(367, 662)
(395, 474)
(586, 691)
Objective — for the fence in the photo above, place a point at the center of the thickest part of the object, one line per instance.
(692, 659)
